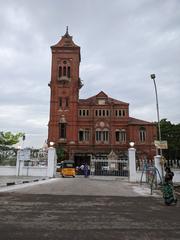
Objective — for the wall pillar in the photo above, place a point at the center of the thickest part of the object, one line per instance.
(159, 167)
(18, 161)
(22, 155)
(52, 162)
(132, 164)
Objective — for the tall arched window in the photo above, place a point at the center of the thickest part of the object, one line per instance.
(69, 72)
(102, 135)
(120, 135)
(62, 130)
(64, 71)
(142, 134)
(84, 134)
(60, 71)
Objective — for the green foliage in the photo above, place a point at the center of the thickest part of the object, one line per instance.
(9, 139)
(171, 133)
(60, 153)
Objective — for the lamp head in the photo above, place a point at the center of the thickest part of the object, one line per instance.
(131, 144)
(51, 144)
(153, 76)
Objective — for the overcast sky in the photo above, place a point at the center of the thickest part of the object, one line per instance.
(122, 42)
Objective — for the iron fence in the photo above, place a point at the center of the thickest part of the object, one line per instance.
(173, 163)
(37, 157)
(8, 156)
(104, 167)
(141, 163)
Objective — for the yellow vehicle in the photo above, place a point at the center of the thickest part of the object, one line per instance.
(59, 167)
(68, 168)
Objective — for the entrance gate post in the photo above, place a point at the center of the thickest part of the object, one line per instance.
(157, 163)
(52, 161)
(132, 164)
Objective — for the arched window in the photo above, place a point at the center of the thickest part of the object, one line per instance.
(84, 134)
(120, 135)
(98, 134)
(69, 72)
(60, 71)
(102, 135)
(62, 130)
(105, 135)
(142, 134)
(64, 71)
(81, 135)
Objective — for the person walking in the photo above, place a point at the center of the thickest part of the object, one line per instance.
(168, 188)
(86, 170)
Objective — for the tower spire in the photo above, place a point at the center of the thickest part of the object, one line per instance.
(67, 33)
(67, 30)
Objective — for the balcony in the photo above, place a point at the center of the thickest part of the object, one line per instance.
(64, 80)
(62, 140)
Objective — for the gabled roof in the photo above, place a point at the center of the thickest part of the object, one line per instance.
(66, 41)
(138, 121)
(101, 95)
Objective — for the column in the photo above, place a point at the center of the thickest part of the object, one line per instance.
(159, 167)
(52, 161)
(132, 164)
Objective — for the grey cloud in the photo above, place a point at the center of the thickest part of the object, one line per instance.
(122, 43)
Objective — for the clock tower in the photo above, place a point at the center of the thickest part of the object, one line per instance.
(64, 86)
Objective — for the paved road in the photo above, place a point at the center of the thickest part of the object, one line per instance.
(44, 211)
(4, 180)
(82, 186)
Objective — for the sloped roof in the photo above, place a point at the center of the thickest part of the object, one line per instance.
(138, 121)
(101, 95)
(66, 41)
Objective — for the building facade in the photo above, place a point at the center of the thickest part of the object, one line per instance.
(92, 127)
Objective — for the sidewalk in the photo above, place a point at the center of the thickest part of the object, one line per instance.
(13, 180)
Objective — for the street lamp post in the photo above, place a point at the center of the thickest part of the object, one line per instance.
(153, 76)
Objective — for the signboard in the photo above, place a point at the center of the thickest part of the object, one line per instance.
(24, 154)
(161, 144)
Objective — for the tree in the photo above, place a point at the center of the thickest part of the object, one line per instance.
(9, 139)
(60, 153)
(171, 133)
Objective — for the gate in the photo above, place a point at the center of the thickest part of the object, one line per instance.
(106, 167)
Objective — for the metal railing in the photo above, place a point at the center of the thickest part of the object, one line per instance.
(38, 157)
(100, 167)
(173, 163)
(8, 156)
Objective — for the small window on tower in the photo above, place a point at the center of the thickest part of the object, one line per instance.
(60, 102)
(62, 130)
(69, 72)
(81, 135)
(64, 71)
(67, 102)
(60, 71)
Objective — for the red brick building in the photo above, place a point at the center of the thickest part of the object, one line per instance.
(94, 126)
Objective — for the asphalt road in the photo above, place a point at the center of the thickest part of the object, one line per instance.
(28, 213)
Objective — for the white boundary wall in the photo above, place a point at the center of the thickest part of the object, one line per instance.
(135, 176)
(21, 170)
(7, 170)
(176, 178)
